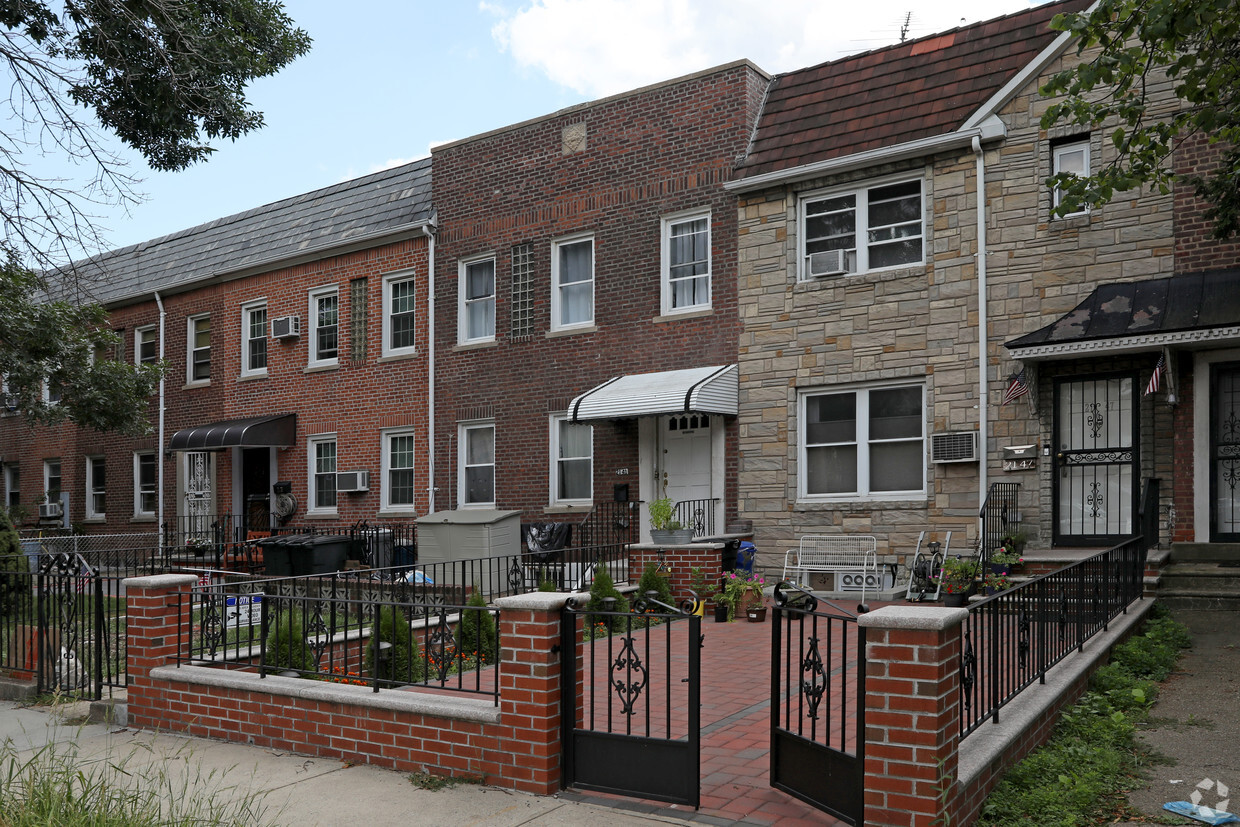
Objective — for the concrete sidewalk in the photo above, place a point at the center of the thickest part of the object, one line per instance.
(295, 789)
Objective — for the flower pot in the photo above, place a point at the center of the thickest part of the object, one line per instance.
(756, 614)
(721, 613)
(955, 601)
(1000, 568)
(671, 537)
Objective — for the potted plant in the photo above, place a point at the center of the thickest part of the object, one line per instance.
(742, 592)
(1002, 560)
(665, 530)
(1014, 542)
(704, 590)
(996, 582)
(958, 580)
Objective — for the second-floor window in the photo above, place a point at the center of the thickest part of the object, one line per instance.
(572, 283)
(324, 326)
(862, 229)
(1073, 157)
(96, 488)
(686, 263)
(12, 485)
(51, 480)
(254, 339)
(399, 314)
(198, 361)
(477, 316)
(145, 345)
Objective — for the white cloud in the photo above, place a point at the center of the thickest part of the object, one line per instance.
(600, 47)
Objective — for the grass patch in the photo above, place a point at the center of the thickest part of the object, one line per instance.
(1080, 776)
(431, 781)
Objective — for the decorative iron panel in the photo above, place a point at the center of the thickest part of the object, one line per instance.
(1225, 454)
(1095, 460)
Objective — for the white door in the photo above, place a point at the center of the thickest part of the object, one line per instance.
(685, 448)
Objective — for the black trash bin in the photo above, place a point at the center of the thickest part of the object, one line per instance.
(276, 559)
(320, 553)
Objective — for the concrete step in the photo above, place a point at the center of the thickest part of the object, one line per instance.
(1189, 577)
(1204, 552)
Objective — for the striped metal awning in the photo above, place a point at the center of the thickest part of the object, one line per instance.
(710, 390)
(277, 431)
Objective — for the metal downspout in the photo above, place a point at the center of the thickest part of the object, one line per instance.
(159, 465)
(429, 231)
(983, 337)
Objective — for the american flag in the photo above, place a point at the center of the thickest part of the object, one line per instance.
(1018, 387)
(1152, 387)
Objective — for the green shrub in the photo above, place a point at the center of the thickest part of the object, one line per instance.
(476, 637)
(654, 581)
(602, 588)
(403, 662)
(14, 568)
(286, 642)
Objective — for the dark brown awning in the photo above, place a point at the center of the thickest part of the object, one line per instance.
(278, 431)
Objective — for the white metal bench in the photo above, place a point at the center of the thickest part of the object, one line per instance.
(838, 554)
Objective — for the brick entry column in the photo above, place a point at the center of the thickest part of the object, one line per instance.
(152, 607)
(912, 714)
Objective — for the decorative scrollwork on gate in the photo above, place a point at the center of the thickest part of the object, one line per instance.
(813, 680)
(441, 646)
(968, 672)
(1095, 418)
(516, 576)
(212, 624)
(1095, 499)
(632, 676)
(1023, 627)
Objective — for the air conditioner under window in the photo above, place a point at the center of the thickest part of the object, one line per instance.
(286, 327)
(827, 263)
(954, 446)
(352, 480)
(51, 511)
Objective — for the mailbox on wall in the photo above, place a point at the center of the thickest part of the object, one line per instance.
(1020, 458)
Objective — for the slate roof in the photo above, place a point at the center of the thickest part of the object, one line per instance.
(326, 218)
(919, 89)
(1189, 301)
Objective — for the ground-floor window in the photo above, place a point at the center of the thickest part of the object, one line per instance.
(572, 451)
(323, 473)
(477, 463)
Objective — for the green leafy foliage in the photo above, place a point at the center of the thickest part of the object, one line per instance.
(1196, 44)
(70, 347)
(286, 644)
(476, 636)
(652, 580)
(402, 661)
(602, 588)
(14, 580)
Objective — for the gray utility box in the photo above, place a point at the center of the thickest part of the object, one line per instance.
(467, 534)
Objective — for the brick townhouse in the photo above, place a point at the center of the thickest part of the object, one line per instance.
(873, 379)
(295, 336)
(586, 322)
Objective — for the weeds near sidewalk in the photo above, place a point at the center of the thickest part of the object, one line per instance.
(430, 781)
(1080, 775)
(58, 785)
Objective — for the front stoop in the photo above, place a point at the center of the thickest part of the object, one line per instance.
(1199, 577)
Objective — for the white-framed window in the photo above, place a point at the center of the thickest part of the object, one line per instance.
(145, 345)
(399, 314)
(254, 338)
(12, 485)
(476, 460)
(321, 451)
(476, 320)
(51, 480)
(572, 282)
(397, 465)
(198, 350)
(1073, 157)
(145, 478)
(686, 262)
(572, 462)
(862, 228)
(96, 488)
(51, 392)
(8, 401)
(324, 326)
(862, 443)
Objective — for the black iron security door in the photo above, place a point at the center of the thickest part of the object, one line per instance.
(1096, 460)
(1225, 453)
(631, 706)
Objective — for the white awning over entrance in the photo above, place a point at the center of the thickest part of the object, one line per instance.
(711, 390)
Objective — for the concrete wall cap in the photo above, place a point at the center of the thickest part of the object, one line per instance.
(160, 581)
(536, 601)
(440, 706)
(924, 618)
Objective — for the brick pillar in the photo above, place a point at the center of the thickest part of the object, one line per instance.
(153, 607)
(912, 714)
(529, 695)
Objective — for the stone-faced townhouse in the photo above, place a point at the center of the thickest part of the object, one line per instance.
(295, 336)
(586, 304)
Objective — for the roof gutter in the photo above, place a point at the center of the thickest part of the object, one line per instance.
(992, 128)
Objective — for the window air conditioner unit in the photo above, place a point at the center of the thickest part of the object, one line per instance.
(51, 511)
(828, 263)
(352, 480)
(10, 403)
(286, 327)
(954, 446)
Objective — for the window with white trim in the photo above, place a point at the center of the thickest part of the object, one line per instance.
(145, 345)
(198, 350)
(476, 460)
(862, 443)
(572, 283)
(254, 339)
(145, 478)
(51, 480)
(7, 398)
(1071, 157)
(12, 485)
(572, 466)
(324, 327)
(399, 314)
(52, 393)
(322, 483)
(476, 320)
(398, 481)
(863, 228)
(96, 488)
(686, 263)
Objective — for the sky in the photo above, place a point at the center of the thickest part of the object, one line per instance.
(385, 80)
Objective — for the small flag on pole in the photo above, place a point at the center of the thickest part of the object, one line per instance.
(204, 579)
(1018, 387)
(1152, 387)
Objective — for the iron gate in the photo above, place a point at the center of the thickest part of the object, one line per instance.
(631, 701)
(76, 652)
(818, 705)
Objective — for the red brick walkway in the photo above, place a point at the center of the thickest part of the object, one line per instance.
(735, 734)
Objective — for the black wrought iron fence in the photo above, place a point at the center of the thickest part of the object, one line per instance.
(698, 515)
(1014, 637)
(342, 630)
(1000, 516)
(607, 524)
